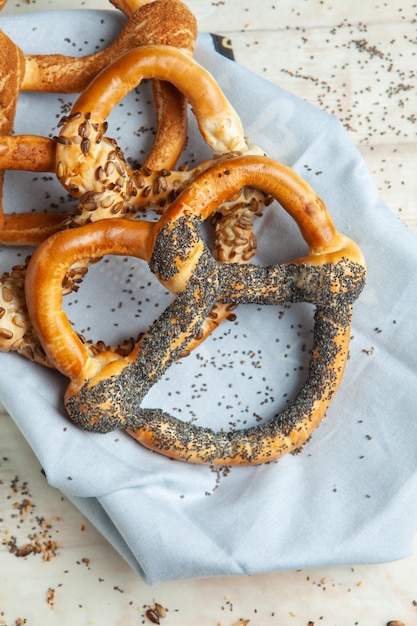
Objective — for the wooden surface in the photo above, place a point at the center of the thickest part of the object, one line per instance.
(356, 60)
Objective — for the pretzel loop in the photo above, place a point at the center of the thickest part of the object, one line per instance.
(168, 22)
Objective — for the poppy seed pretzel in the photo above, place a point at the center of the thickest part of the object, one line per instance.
(168, 22)
(331, 276)
(18, 335)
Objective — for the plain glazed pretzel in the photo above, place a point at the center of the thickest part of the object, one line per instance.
(106, 396)
(168, 22)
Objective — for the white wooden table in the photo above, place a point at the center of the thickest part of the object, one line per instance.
(356, 60)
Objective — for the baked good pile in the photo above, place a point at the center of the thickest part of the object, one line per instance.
(107, 384)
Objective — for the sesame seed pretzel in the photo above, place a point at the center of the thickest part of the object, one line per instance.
(168, 22)
(106, 397)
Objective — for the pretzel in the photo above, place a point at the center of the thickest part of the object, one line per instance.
(168, 22)
(331, 276)
(92, 167)
(107, 395)
(233, 241)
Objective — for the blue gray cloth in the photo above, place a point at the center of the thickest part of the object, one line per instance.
(349, 497)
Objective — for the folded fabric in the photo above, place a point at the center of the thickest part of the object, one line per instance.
(350, 495)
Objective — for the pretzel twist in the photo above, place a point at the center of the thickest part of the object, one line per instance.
(106, 394)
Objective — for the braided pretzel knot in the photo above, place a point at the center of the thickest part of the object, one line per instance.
(331, 276)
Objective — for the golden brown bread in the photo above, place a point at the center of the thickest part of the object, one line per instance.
(106, 387)
(89, 163)
(83, 146)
